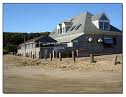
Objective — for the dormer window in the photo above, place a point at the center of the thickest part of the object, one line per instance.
(101, 25)
(72, 28)
(71, 19)
(104, 25)
(101, 21)
(66, 26)
(63, 30)
(59, 29)
(78, 26)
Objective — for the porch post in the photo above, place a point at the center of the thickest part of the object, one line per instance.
(53, 54)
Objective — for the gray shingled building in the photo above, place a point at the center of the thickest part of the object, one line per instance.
(35, 47)
(86, 33)
(90, 33)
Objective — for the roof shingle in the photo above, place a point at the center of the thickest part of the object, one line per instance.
(44, 38)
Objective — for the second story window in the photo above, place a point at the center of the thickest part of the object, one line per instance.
(104, 25)
(58, 30)
(72, 28)
(101, 25)
(63, 29)
(78, 26)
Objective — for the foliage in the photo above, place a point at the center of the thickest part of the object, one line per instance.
(10, 48)
(12, 40)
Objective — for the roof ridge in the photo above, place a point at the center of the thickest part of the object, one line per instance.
(86, 20)
(34, 39)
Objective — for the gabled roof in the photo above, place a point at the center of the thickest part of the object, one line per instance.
(43, 38)
(85, 20)
(81, 19)
(99, 17)
(59, 25)
(112, 28)
(67, 23)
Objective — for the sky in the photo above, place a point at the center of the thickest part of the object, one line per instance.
(44, 17)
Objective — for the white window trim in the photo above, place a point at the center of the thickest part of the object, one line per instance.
(63, 28)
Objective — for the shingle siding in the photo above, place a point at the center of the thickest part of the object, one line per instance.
(78, 37)
(89, 29)
(87, 26)
(95, 47)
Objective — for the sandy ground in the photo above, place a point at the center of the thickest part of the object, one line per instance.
(26, 75)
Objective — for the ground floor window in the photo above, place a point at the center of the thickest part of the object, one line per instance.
(109, 42)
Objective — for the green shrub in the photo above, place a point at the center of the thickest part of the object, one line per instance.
(10, 48)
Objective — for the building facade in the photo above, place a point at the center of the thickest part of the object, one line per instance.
(85, 34)
(34, 47)
(93, 33)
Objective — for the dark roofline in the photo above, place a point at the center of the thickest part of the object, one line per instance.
(98, 16)
(112, 28)
(46, 38)
(32, 40)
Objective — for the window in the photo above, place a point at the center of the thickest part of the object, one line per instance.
(58, 30)
(63, 29)
(71, 19)
(108, 42)
(103, 25)
(67, 28)
(72, 28)
(37, 45)
(77, 27)
(106, 26)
